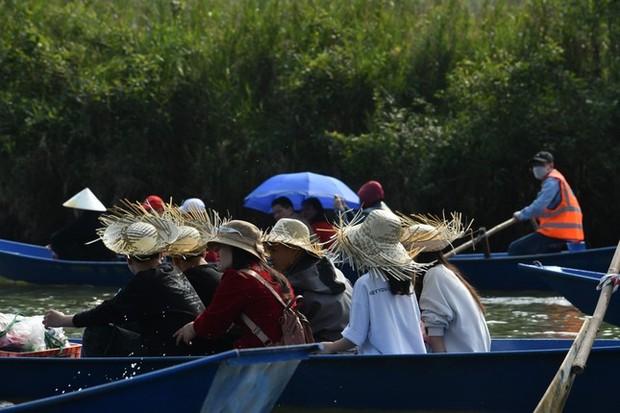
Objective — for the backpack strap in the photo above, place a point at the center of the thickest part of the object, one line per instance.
(256, 275)
(256, 330)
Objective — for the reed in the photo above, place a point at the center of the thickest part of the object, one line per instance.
(208, 98)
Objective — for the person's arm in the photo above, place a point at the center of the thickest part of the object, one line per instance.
(437, 344)
(185, 334)
(225, 307)
(334, 347)
(550, 189)
(55, 318)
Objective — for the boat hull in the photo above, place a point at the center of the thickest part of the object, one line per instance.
(34, 264)
(501, 272)
(511, 378)
(578, 287)
(237, 380)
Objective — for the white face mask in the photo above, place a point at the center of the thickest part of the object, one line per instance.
(540, 171)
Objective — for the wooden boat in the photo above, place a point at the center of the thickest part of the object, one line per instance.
(35, 264)
(511, 378)
(578, 287)
(501, 272)
(237, 380)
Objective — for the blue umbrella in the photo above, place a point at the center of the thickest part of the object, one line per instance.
(300, 186)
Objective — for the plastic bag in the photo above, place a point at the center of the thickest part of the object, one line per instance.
(19, 333)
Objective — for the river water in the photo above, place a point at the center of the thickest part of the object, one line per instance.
(523, 315)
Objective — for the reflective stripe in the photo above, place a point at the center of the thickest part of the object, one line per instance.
(561, 225)
(561, 211)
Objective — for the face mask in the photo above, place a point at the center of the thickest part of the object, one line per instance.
(539, 172)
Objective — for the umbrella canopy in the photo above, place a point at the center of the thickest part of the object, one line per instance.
(297, 187)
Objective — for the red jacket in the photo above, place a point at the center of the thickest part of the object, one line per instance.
(238, 294)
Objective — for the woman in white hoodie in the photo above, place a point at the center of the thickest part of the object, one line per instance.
(451, 308)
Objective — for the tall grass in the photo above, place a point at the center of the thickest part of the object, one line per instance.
(208, 98)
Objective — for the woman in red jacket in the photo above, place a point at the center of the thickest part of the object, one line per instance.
(241, 252)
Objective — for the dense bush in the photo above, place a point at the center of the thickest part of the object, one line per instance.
(442, 101)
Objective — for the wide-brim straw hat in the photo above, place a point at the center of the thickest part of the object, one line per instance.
(240, 234)
(133, 231)
(293, 233)
(85, 200)
(431, 233)
(196, 229)
(374, 246)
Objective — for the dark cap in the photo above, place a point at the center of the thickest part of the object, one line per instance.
(542, 156)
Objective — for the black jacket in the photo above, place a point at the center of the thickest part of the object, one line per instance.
(155, 303)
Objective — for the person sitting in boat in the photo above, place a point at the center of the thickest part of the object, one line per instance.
(325, 290)
(142, 316)
(451, 309)
(555, 209)
(78, 241)
(314, 213)
(385, 318)
(197, 206)
(240, 295)
(187, 253)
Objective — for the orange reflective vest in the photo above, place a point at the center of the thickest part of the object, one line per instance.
(566, 220)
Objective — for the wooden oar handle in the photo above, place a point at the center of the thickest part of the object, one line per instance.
(555, 397)
(488, 233)
(597, 318)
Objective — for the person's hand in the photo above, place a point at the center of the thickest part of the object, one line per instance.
(609, 279)
(516, 214)
(326, 348)
(55, 318)
(339, 203)
(185, 334)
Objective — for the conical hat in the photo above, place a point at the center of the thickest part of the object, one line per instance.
(86, 200)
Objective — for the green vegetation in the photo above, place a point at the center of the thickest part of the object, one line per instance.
(443, 101)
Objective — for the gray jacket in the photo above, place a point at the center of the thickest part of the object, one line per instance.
(326, 296)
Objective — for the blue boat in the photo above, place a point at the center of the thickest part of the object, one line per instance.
(234, 381)
(511, 378)
(35, 264)
(578, 287)
(501, 272)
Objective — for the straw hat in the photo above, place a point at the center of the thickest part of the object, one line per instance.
(196, 228)
(86, 200)
(374, 246)
(293, 233)
(430, 233)
(131, 230)
(240, 234)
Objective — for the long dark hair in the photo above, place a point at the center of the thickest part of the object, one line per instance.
(438, 258)
(244, 259)
(320, 211)
(399, 286)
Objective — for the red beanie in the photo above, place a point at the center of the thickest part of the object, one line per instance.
(154, 202)
(371, 192)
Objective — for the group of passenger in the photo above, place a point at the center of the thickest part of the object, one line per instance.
(181, 301)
